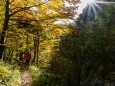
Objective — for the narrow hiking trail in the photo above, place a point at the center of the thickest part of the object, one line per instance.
(26, 78)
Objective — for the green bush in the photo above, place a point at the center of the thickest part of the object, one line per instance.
(41, 77)
(9, 76)
(35, 74)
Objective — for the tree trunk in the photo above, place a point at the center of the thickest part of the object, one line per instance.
(5, 28)
(27, 41)
(34, 51)
(21, 56)
(38, 42)
(37, 55)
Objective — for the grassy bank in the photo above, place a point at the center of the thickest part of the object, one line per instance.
(9, 75)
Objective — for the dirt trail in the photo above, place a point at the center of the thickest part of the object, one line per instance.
(26, 78)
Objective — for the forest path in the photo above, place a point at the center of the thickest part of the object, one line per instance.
(26, 78)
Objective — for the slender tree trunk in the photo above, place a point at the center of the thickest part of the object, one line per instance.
(37, 55)
(27, 41)
(34, 51)
(37, 51)
(12, 52)
(21, 56)
(5, 28)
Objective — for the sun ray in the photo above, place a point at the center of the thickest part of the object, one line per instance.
(89, 10)
(97, 6)
(95, 11)
(105, 2)
(92, 7)
(84, 3)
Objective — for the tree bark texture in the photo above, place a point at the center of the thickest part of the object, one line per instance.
(5, 28)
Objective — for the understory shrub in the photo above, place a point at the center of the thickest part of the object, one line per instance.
(41, 77)
(9, 76)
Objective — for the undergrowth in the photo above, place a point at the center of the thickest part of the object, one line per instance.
(36, 72)
(9, 75)
(42, 77)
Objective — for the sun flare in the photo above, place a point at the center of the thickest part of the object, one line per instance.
(93, 6)
(88, 1)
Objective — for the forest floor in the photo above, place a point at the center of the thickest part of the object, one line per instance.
(26, 78)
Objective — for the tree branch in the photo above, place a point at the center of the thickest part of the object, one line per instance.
(21, 9)
(11, 1)
(14, 8)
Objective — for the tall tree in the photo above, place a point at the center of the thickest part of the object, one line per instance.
(27, 10)
(9, 12)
